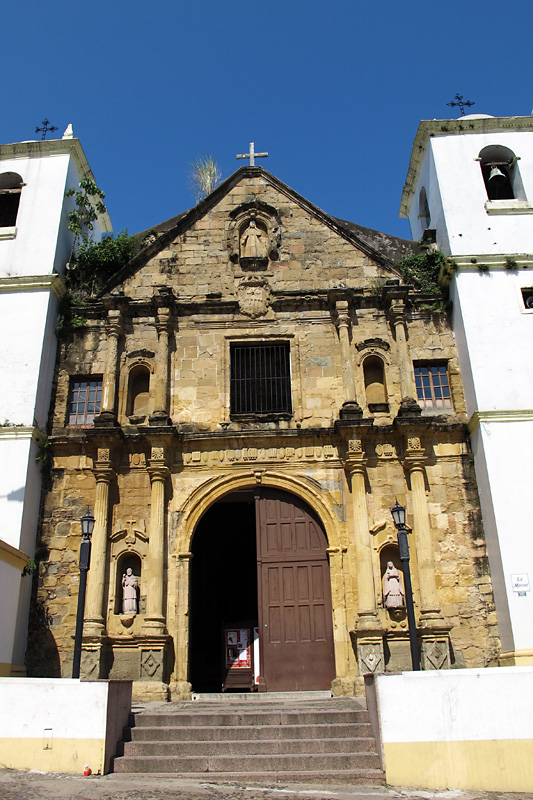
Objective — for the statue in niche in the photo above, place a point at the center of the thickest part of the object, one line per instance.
(130, 584)
(393, 593)
(254, 242)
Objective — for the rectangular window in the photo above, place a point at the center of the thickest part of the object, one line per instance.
(260, 378)
(85, 400)
(433, 386)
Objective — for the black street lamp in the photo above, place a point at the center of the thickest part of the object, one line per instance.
(87, 525)
(398, 515)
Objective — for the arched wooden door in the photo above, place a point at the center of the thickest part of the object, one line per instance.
(295, 616)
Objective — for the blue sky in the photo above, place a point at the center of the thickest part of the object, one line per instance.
(333, 89)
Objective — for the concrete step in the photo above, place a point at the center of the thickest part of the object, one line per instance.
(359, 777)
(259, 697)
(245, 732)
(247, 764)
(260, 717)
(245, 748)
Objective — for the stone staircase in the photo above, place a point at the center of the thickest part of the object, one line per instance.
(287, 738)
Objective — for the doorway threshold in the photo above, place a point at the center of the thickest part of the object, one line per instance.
(259, 697)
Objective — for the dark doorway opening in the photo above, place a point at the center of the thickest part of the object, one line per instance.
(223, 584)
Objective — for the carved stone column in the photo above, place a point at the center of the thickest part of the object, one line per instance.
(350, 407)
(396, 297)
(108, 412)
(369, 638)
(181, 690)
(414, 463)
(94, 606)
(160, 414)
(154, 620)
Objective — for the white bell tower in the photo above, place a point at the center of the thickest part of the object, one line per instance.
(470, 181)
(35, 245)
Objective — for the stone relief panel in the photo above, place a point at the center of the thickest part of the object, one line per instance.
(261, 454)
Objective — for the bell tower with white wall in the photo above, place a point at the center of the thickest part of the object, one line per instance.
(470, 181)
(35, 246)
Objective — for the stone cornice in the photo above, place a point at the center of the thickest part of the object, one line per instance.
(34, 283)
(451, 127)
(520, 415)
(22, 432)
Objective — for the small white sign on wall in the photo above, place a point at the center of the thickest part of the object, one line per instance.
(520, 583)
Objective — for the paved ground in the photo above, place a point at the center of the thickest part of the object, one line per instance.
(15, 785)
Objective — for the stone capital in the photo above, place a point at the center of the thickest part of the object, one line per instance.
(103, 471)
(355, 463)
(114, 322)
(158, 470)
(415, 460)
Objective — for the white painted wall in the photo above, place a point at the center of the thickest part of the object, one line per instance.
(493, 333)
(456, 705)
(10, 581)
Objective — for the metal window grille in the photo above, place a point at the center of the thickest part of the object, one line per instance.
(85, 400)
(433, 387)
(260, 378)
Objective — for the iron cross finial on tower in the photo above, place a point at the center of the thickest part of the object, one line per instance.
(458, 101)
(46, 129)
(252, 155)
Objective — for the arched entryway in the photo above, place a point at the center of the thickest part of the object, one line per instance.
(260, 561)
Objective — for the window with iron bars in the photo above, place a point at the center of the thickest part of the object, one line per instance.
(260, 378)
(433, 386)
(85, 400)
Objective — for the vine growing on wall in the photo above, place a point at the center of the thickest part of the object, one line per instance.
(88, 199)
(423, 271)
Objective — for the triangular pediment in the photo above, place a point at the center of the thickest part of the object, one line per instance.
(292, 238)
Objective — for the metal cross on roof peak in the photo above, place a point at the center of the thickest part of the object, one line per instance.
(46, 129)
(461, 103)
(252, 155)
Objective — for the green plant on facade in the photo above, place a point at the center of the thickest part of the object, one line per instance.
(89, 269)
(423, 269)
(511, 263)
(29, 568)
(205, 176)
(483, 267)
(8, 424)
(89, 204)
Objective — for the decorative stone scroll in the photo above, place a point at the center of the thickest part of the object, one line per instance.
(259, 454)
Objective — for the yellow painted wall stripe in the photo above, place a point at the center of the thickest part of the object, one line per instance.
(490, 765)
(62, 755)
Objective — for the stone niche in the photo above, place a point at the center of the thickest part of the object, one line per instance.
(254, 235)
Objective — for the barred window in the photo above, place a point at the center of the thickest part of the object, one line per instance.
(260, 378)
(433, 386)
(85, 400)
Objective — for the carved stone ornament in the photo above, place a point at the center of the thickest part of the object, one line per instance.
(157, 453)
(435, 654)
(151, 664)
(90, 664)
(254, 234)
(355, 446)
(103, 454)
(253, 295)
(370, 657)
(414, 443)
(130, 530)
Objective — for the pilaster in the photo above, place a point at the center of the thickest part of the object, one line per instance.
(108, 411)
(396, 297)
(160, 414)
(350, 407)
(154, 621)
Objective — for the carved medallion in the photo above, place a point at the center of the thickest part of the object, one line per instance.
(253, 295)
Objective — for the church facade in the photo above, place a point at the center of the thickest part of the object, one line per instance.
(244, 405)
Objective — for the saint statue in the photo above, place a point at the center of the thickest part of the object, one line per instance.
(393, 592)
(254, 242)
(130, 585)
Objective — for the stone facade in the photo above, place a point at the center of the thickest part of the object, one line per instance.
(168, 444)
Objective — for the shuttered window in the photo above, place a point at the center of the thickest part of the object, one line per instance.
(433, 386)
(260, 378)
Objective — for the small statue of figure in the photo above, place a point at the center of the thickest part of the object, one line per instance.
(253, 244)
(129, 592)
(393, 593)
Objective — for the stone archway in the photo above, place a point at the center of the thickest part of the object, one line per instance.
(206, 496)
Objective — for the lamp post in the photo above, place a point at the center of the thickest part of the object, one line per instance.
(87, 525)
(398, 515)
